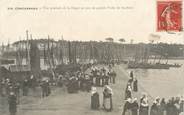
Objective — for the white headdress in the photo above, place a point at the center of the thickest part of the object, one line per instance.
(93, 90)
(108, 89)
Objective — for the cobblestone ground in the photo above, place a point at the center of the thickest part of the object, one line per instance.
(62, 103)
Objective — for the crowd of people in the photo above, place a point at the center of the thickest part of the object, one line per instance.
(12, 89)
(97, 76)
(102, 77)
(159, 106)
(74, 82)
(173, 106)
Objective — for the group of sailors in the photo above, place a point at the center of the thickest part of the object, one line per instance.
(103, 76)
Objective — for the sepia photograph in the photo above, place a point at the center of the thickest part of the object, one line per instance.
(91, 57)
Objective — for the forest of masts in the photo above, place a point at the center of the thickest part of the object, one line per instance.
(63, 51)
(73, 52)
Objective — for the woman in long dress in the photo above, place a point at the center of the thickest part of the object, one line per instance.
(144, 106)
(135, 107)
(163, 106)
(98, 78)
(128, 92)
(107, 98)
(12, 101)
(127, 107)
(154, 109)
(95, 101)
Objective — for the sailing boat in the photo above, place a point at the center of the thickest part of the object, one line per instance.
(142, 60)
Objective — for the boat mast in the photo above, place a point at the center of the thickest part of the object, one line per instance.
(27, 47)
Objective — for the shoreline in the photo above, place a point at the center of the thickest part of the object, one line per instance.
(141, 89)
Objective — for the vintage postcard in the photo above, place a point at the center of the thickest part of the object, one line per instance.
(91, 57)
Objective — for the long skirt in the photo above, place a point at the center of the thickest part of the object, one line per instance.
(128, 112)
(144, 111)
(12, 108)
(153, 112)
(107, 104)
(135, 87)
(95, 102)
(134, 112)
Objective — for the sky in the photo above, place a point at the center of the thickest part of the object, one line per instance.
(128, 19)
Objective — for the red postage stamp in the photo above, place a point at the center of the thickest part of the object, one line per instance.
(169, 15)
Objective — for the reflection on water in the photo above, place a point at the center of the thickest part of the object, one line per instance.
(160, 82)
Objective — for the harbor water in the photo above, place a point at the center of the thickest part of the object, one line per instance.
(164, 83)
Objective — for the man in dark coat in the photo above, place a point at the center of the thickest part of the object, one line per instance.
(2, 87)
(103, 77)
(12, 101)
(70, 86)
(135, 85)
(107, 77)
(94, 74)
(48, 88)
(25, 87)
(88, 83)
(32, 82)
(17, 90)
(131, 75)
(98, 78)
(44, 89)
(113, 77)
